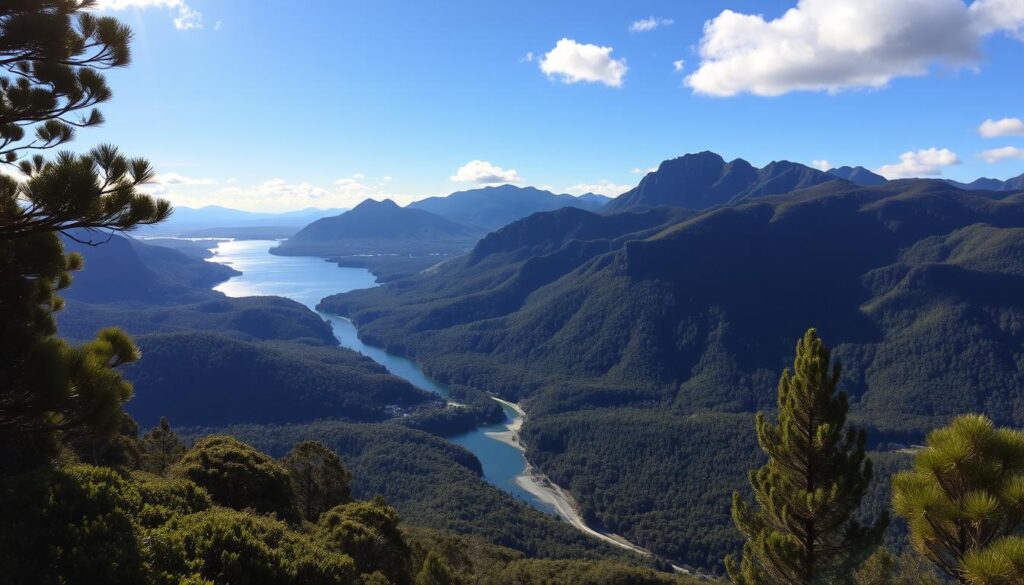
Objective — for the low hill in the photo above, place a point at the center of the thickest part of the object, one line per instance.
(120, 269)
(493, 207)
(705, 179)
(380, 227)
(1010, 185)
(668, 320)
(196, 378)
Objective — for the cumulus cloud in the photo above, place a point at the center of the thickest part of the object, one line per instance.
(832, 45)
(649, 24)
(1005, 127)
(821, 164)
(601, 188)
(185, 16)
(485, 173)
(927, 162)
(678, 65)
(1000, 154)
(572, 62)
(640, 171)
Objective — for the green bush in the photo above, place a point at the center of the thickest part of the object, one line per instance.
(368, 532)
(70, 526)
(238, 476)
(228, 546)
(163, 498)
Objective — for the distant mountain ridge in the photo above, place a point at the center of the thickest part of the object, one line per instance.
(704, 180)
(858, 176)
(987, 184)
(494, 207)
(185, 220)
(381, 227)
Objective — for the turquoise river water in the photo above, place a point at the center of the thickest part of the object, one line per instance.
(307, 280)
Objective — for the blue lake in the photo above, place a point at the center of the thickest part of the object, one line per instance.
(307, 280)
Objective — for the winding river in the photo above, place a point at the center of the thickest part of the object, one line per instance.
(307, 280)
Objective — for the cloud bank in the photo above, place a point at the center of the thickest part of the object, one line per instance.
(927, 162)
(484, 173)
(834, 45)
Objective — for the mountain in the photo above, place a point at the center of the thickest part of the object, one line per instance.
(704, 180)
(647, 340)
(381, 227)
(494, 207)
(987, 184)
(858, 176)
(596, 198)
(123, 269)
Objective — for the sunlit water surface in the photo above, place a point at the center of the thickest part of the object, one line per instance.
(307, 280)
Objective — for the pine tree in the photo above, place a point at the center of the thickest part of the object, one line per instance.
(964, 501)
(434, 571)
(51, 56)
(800, 529)
(318, 479)
(160, 448)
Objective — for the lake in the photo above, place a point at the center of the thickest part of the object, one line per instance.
(307, 280)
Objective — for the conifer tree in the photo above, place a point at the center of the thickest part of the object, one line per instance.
(318, 479)
(434, 571)
(160, 448)
(800, 528)
(964, 501)
(52, 53)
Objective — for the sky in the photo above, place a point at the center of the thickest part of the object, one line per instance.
(277, 105)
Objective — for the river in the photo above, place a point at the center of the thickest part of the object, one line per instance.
(307, 280)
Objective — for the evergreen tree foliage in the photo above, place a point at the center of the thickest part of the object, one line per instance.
(160, 448)
(238, 476)
(318, 479)
(964, 501)
(884, 568)
(434, 572)
(800, 528)
(368, 532)
(52, 53)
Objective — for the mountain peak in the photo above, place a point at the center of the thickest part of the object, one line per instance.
(858, 176)
(703, 179)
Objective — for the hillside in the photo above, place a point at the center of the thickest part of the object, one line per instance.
(217, 221)
(380, 227)
(121, 269)
(986, 184)
(493, 207)
(915, 283)
(705, 179)
(212, 379)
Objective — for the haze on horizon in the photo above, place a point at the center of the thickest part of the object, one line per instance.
(265, 107)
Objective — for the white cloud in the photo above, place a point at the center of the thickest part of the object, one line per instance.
(271, 195)
(649, 24)
(927, 162)
(832, 45)
(601, 188)
(483, 172)
(821, 164)
(639, 171)
(1000, 154)
(678, 65)
(572, 62)
(528, 57)
(186, 17)
(1005, 127)
(178, 179)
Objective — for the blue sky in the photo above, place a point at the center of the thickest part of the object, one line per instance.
(274, 105)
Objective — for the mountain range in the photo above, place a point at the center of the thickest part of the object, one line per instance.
(646, 339)
(493, 207)
(705, 179)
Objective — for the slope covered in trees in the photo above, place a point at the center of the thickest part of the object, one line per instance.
(915, 282)
(381, 227)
